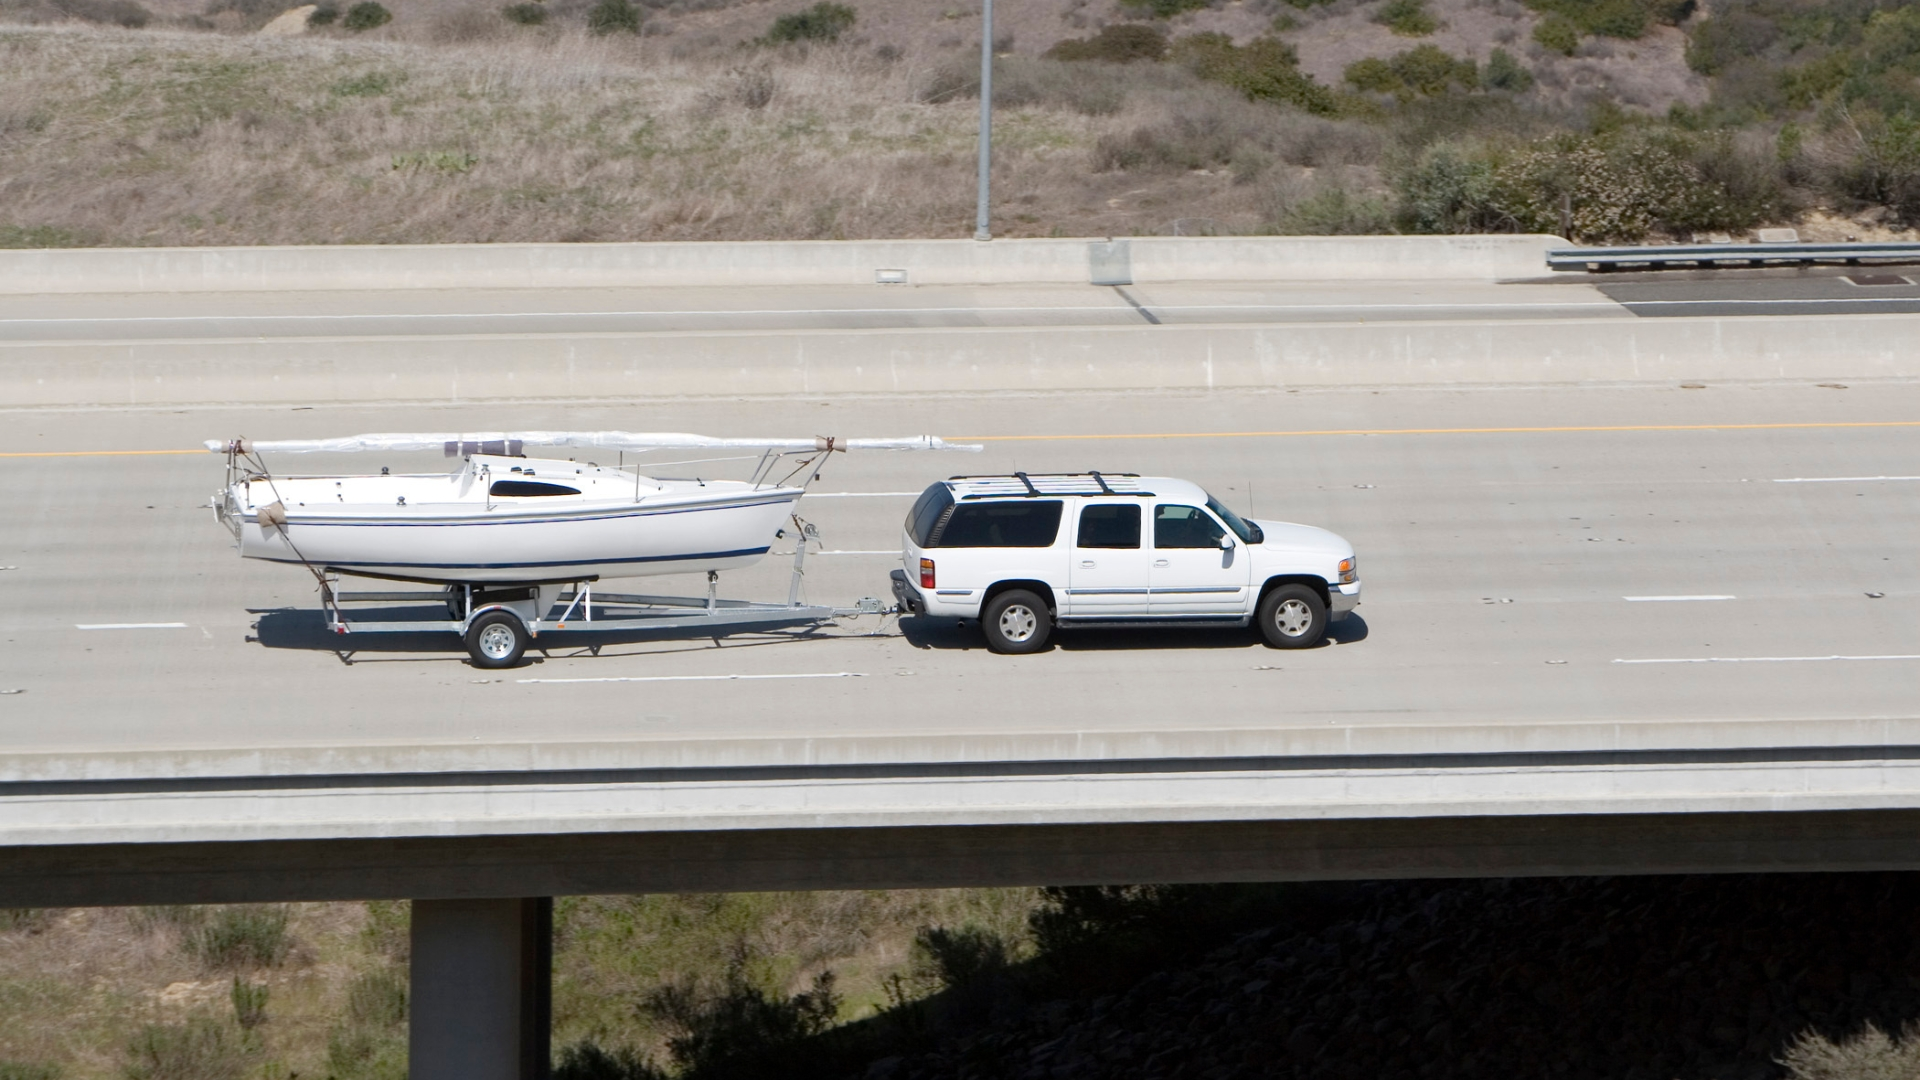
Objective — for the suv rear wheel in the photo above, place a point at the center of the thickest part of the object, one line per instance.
(1016, 621)
(1293, 617)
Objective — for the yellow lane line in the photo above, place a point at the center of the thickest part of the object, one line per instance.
(1226, 434)
(1438, 431)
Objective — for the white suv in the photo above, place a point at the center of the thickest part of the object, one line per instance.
(1025, 553)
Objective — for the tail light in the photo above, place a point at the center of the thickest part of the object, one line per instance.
(926, 573)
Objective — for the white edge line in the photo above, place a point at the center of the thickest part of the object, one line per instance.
(704, 678)
(131, 626)
(1669, 599)
(1838, 479)
(1761, 659)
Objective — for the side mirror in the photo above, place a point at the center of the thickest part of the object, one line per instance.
(1226, 542)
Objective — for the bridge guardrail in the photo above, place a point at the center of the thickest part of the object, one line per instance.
(1708, 255)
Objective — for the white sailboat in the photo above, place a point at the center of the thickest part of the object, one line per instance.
(502, 517)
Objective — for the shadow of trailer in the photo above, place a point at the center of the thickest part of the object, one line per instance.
(498, 622)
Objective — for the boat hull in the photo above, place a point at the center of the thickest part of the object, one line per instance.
(509, 544)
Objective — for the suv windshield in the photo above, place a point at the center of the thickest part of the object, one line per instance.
(1245, 530)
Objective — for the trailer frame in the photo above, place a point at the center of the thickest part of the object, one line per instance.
(525, 611)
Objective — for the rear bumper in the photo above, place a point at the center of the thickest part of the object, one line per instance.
(905, 595)
(1342, 599)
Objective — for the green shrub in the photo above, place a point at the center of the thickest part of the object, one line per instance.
(585, 1061)
(241, 935)
(530, 14)
(614, 17)
(366, 15)
(125, 13)
(739, 1028)
(1374, 75)
(1407, 18)
(378, 998)
(824, 21)
(371, 84)
(1558, 33)
(1616, 18)
(1264, 69)
(1505, 73)
(323, 15)
(369, 1042)
(1335, 212)
(1165, 9)
(29, 920)
(1423, 70)
(1880, 163)
(249, 1003)
(30, 1070)
(1118, 43)
(1448, 190)
(200, 1049)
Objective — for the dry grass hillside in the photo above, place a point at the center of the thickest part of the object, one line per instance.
(176, 122)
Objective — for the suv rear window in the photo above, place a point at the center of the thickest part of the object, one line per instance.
(1027, 523)
(926, 513)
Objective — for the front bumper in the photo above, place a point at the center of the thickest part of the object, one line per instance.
(905, 595)
(1341, 599)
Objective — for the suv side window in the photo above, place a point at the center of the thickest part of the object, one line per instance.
(1028, 523)
(1185, 527)
(1114, 525)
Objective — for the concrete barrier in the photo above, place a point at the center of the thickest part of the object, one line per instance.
(851, 262)
(622, 366)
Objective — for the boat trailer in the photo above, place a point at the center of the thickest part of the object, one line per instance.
(500, 621)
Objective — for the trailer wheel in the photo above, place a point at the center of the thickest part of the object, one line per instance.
(496, 640)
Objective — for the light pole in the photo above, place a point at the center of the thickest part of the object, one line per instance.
(980, 229)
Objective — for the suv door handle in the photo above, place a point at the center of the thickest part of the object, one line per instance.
(1086, 564)
(1161, 562)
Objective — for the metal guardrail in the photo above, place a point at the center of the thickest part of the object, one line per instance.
(1708, 255)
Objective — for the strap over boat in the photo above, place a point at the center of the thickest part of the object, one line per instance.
(457, 444)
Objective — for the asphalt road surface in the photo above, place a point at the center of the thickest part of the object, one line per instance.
(1531, 556)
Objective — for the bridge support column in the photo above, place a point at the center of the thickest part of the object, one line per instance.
(481, 1000)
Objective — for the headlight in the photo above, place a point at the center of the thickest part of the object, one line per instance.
(1349, 569)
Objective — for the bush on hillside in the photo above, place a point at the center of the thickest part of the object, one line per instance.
(823, 22)
(1617, 187)
(202, 1048)
(1616, 18)
(528, 14)
(1424, 70)
(585, 1061)
(323, 15)
(1557, 34)
(1264, 69)
(241, 936)
(1407, 18)
(125, 13)
(614, 17)
(1503, 72)
(366, 15)
(1165, 9)
(739, 1029)
(1118, 43)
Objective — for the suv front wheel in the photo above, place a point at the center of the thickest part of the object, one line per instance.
(1293, 617)
(1016, 621)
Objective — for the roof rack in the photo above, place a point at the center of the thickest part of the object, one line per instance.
(1042, 475)
(1034, 485)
